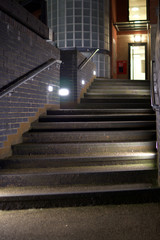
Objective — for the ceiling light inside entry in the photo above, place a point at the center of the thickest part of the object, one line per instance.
(135, 9)
(137, 38)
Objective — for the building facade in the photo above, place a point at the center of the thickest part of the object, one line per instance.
(84, 25)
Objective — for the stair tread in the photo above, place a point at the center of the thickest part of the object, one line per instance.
(89, 136)
(134, 143)
(94, 115)
(29, 191)
(92, 124)
(71, 122)
(134, 156)
(78, 170)
(99, 111)
(92, 133)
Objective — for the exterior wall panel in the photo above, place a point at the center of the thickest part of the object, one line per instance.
(21, 50)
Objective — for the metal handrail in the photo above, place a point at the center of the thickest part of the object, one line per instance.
(28, 76)
(154, 88)
(86, 60)
(155, 68)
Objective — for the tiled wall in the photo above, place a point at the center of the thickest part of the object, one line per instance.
(21, 50)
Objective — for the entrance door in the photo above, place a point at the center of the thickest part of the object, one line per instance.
(137, 57)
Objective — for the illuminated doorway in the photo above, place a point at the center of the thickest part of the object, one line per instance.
(138, 61)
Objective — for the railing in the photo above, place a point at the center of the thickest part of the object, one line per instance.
(8, 89)
(154, 87)
(155, 79)
(86, 60)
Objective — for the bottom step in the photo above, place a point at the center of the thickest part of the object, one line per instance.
(19, 198)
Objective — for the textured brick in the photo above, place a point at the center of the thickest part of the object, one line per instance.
(22, 50)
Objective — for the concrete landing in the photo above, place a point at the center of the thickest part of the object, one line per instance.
(112, 222)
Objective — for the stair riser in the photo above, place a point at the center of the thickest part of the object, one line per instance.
(112, 105)
(119, 87)
(87, 137)
(93, 126)
(106, 178)
(80, 199)
(108, 149)
(126, 90)
(118, 98)
(96, 118)
(122, 81)
(99, 111)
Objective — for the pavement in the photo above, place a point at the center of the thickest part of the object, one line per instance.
(110, 222)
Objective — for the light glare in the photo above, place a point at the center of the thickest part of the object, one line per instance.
(63, 92)
(50, 88)
(134, 9)
(83, 82)
(137, 38)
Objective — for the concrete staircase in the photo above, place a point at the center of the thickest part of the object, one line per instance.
(103, 151)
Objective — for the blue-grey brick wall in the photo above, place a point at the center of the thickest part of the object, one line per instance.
(22, 50)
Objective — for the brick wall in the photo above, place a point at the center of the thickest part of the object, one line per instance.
(21, 50)
(85, 74)
(71, 77)
(16, 11)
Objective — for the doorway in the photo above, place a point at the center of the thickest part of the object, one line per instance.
(137, 61)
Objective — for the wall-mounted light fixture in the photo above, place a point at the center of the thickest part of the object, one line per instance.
(50, 88)
(63, 92)
(83, 82)
(94, 73)
(137, 38)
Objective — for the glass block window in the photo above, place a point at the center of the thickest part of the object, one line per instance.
(81, 24)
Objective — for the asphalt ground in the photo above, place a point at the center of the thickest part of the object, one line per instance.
(110, 222)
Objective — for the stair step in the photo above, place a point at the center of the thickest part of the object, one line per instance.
(128, 81)
(81, 175)
(88, 136)
(112, 105)
(100, 111)
(106, 125)
(89, 149)
(109, 91)
(118, 86)
(30, 191)
(117, 98)
(19, 198)
(43, 161)
(94, 117)
(125, 84)
(99, 99)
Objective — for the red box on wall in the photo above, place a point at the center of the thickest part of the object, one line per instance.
(122, 67)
